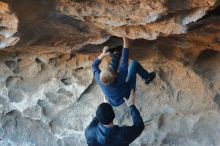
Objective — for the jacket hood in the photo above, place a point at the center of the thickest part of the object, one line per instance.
(105, 135)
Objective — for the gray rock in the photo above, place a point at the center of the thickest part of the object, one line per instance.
(33, 112)
(24, 131)
(15, 95)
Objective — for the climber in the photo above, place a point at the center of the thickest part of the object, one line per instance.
(102, 131)
(116, 83)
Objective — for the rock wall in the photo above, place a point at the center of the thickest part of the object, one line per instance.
(8, 26)
(146, 19)
(47, 92)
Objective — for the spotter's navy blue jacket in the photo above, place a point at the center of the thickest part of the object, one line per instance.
(99, 135)
(120, 88)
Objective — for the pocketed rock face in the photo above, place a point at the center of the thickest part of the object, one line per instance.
(139, 19)
(30, 83)
(47, 92)
(51, 100)
(8, 26)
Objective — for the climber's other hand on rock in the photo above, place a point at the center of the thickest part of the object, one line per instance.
(104, 53)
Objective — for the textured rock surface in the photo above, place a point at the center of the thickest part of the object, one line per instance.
(140, 18)
(8, 26)
(47, 92)
(46, 27)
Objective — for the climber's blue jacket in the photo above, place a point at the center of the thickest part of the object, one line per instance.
(99, 135)
(120, 88)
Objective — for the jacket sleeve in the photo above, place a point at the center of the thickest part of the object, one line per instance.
(132, 132)
(89, 132)
(124, 60)
(95, 69)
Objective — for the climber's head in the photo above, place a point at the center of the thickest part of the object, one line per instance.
(107, 76)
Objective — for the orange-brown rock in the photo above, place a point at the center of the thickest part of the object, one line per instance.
(8, 26)
(146, 19)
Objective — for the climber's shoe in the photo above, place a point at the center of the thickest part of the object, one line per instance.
(151, 77)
